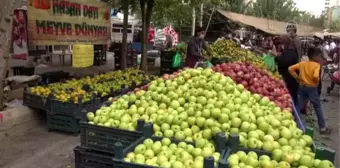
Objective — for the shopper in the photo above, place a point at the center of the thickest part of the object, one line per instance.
(309, 77)
(195, 48)
(303, 107)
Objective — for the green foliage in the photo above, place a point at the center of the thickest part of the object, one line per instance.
(281, 10)
(307, 18)
(236, 6)
(334, 26)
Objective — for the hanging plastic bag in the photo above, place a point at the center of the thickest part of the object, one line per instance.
(176, 62)
(209, 64)
(269, 60)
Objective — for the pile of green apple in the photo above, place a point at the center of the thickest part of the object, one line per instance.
(195, 104)
(279, 159)
(164, 153)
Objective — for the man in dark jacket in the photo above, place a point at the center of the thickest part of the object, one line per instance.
(195, 48)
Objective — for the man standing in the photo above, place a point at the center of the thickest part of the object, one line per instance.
(291, 55)
(195, 48)
(292, 30)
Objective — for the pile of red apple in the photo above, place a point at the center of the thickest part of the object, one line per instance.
(257, 81)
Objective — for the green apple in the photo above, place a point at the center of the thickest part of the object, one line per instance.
(130, 155)
(233, 160)
(139, 158)
(180, 135)
(195, 129)
(149, 154)
(268, 146)
(157, 147)
(306, 160)
(200, 143)
(200, 121)
(196, 152)
(148, 143)
(166, 141)
(236, 122)
(164, 127)
(325, 164)
(286, 133)
(197, 164)
(161, 159)
(159, 134)
(252, 143)
(225, 127)
(169, 133)
(308, 140)
(206, 152)
(250, 161)
(140, 149)
(277, 154)
(283, 164)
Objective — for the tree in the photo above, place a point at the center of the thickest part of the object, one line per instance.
(125, 34)
(236, 6)
(125, 6)
(6, 14)
(146, 7)
(281, 10)
(334, 26)
(307, 18)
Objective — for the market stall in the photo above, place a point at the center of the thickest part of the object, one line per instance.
(235, 114)
(267, 25)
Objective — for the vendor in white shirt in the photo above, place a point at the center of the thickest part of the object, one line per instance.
(326, 46)
(332, 45)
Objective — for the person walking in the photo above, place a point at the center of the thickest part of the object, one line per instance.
(309, 77)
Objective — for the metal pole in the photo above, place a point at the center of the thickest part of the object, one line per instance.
(201, 15)
(193, 21)
(206, 29)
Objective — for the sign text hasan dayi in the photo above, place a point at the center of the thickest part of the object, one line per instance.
(74, 10)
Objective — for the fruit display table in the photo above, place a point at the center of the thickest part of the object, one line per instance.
(189, 110)
(196, 105)
(65, 101)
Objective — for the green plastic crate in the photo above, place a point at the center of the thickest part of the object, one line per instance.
(85, 158)
(63, 123)
(121, 152)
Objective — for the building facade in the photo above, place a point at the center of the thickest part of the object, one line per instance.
(331, 3)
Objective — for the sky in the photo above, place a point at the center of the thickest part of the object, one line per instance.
(313, 6)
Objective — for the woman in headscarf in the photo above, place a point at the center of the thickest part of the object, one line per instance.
(291, 55)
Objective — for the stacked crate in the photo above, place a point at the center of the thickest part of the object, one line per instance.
(131, 58)
(97, 148)
(166, 62)
(99, 55)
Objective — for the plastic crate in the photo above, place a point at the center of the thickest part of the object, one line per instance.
(90, 159)
(167, 55)
(122, 152)
(36, 101)
(216, 61)
(22, 70)
(72, 109)
(102, 139)
(63, 123)
(321, 152)
(53, 77)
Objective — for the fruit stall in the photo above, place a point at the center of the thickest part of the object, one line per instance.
(236, 114)
(200, 118)
(64, 101)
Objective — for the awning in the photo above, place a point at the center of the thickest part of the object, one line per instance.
(267, 25)
(323, 34)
